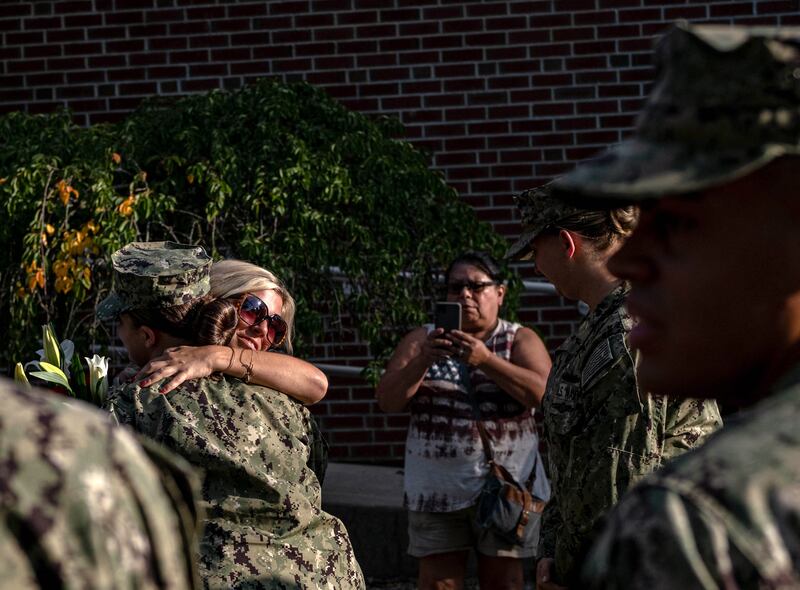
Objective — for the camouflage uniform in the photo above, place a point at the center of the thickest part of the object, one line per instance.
(264, 526)
(727, 515)
(602, 433)
(692, 135)
(82, 506)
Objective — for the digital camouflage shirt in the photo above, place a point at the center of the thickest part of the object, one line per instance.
(724, 516)
(264, 526)
(84, 505)
(604, 434)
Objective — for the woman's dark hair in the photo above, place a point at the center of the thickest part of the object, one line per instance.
(201, 322)
(481, 260)
(602, 227)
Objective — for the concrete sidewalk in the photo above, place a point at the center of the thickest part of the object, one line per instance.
(369, 500)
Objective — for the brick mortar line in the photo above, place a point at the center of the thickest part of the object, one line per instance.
(420, 8)
(372, 111)
(373, 83)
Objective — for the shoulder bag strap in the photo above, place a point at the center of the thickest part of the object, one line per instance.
(463, 370)
(532, 477)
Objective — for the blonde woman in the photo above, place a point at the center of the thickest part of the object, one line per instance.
(266, 322)
(264, 526)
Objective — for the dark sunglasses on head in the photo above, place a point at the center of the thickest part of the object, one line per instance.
(474, 287)
(253, 311)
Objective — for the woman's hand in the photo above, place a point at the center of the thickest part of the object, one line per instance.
(436, 347)
(523, 376)
(181, 363)
(469, 349)
(292, 376)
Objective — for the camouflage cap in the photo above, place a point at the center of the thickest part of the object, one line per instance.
(540, 210)
(726, 102)
(156, 275)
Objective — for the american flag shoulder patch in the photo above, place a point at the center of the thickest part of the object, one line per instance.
(600, 358)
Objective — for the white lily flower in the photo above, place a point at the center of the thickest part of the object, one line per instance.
(98, 375)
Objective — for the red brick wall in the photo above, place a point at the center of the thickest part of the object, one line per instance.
(503, 94)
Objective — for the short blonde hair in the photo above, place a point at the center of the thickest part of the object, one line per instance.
(232, 278)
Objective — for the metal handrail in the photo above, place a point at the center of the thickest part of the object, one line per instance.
(339, 370)
(540, 287)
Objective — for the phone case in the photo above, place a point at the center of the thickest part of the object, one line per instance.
(448, 315)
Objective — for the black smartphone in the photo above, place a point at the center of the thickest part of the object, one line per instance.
(447, 315)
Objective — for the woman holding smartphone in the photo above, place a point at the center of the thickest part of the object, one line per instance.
(500, 367)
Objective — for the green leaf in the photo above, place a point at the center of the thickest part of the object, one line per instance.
(53, 374)
(81, 388)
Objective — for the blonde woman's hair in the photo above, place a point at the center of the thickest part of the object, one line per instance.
(233, 278)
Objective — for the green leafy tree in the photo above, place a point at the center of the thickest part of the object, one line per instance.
(281, 175)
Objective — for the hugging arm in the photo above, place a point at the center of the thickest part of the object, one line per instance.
(282, 372)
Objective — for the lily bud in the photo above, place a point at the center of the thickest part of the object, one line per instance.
(52, 351)
(20, 376)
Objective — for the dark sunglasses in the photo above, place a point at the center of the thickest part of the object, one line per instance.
(253, 311)
(475, 287)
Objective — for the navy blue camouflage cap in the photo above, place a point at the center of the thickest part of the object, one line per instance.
(540, 210)
(726, 102)
(151, 275)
